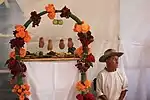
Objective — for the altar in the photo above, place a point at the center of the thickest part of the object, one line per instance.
(52, 78)
(51, 74)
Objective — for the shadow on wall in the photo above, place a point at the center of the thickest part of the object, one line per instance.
(143, 82)
(138, 73)
(5, 89)
(9, 17)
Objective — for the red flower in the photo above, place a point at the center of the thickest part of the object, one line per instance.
(89, 96)
(90, 58)
(17, 42)
(16, 67)
(11, 62)
(14, 33)
(65, 12)
(35, 18)
(85, 39)
(83, 67)
(80, 97)
(80, 35)
(26, 98)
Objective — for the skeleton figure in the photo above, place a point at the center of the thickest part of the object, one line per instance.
(50, 45)
(61, 44)
(41, 42)
(71, 49)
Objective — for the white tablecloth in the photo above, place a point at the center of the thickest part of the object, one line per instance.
(53, 80)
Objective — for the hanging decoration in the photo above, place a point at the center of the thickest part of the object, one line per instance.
(21, 36)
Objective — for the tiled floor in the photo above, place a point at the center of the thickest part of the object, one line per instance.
(6, 95)
(5, 90)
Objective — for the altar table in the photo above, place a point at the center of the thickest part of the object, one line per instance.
(52, 79)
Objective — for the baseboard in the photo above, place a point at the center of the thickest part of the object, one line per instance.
(4, 71)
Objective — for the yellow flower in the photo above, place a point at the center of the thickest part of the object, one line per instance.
(19, 90)
(79, 51)
(80, 86)
(27, 87)
(83, 87)
(85, 27)
(87, 84)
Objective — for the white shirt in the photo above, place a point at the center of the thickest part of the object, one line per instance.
(111, 84)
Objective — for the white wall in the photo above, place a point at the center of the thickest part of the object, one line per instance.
(135, 42)
(9, 17)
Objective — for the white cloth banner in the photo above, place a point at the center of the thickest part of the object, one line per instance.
(52, 80)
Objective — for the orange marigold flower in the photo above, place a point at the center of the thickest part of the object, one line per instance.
(85, 28)
(79, 51)
(21, 34)
(27, 92)
(27, 37)
(87, 84)
(22, 52)
(16, 86)
(80, 86)
(22, 94)
(19, 28)
(27, 87)
(19, 90)
(51, 15)
(77, 28)
(50, 8)
(13, 90)
(12, 54)
(83, 87)
(23, 87)
(21, 97)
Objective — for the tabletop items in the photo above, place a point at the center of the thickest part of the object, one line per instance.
(61, 53)
(71, 47)
(41, 42)
(50, 45)
(61, 44)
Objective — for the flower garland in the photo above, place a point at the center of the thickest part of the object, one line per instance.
(16, 65)
(18, 68)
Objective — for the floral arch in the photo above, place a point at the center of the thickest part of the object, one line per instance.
(21, 36)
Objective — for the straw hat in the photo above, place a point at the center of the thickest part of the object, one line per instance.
(108, 53)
